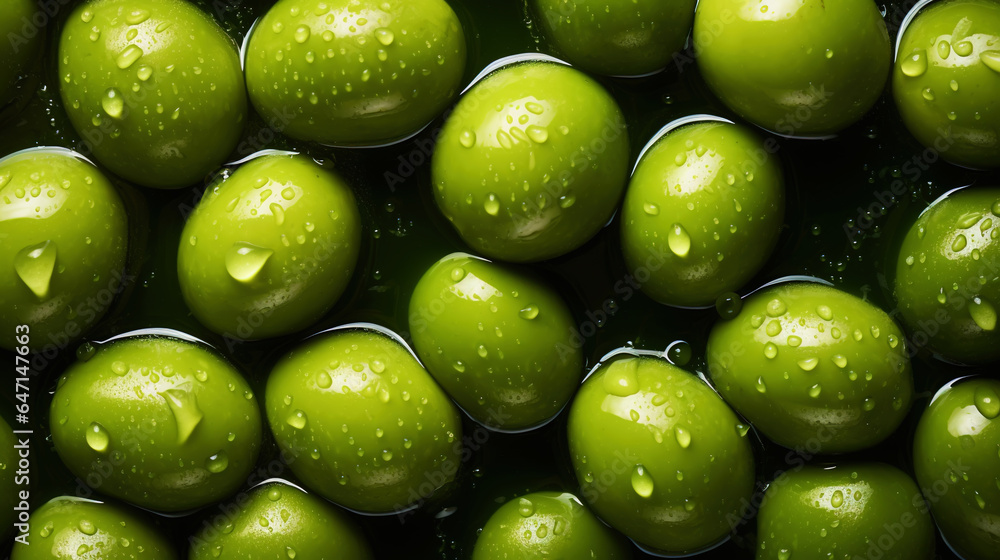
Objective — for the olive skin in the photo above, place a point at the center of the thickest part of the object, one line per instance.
(271, 249)
(809, 68)
(531, 163)
(946, 276)
(159, 422)
(68, 527)
(547, 525)
(659, 455)
(813, 367)
(496, 340)
(955, 459)
(355, 72)
(367, 425)
(278, 520)
(154, 88)
(18, 50)
(65, 235)
(865, 510)
(697, 234)
(946, 80)
(617, 37)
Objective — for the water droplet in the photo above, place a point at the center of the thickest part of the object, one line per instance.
(244, 261)
(183, 404)
(217, 463)
(773, 328)
(991, 59)
(621, 380)
(963, 48)
(959, 243)
(987, 402)
(651, 209)
(467, 138)
(642, 482)
(815, 391)
(529, 312)
(915, 64)
(128, 56)
(683, 437)
(679, 241)
(135, 17)
(323, 380)
(290, 552)
(728, 305)
(538, 134)
(770, 351)
(87, 527)
(97, 437)
(761, 387)
(525, 507)
(868, 404)
(983, 313)
(837, 499)
(384, 36)
(297, 420)
(492, 204)
(808, 364)
(34, 265)
(943, 49)
(302, 33)
(776, 308)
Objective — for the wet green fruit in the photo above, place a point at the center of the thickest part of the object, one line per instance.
(367, 426)
(278, 520)
(532, 162)
(618, 37)
(64, 233)
(22, 39)
(69, 527)
(955, 454)
(702, 213)
(498, 341)
(813, 368)
(647, 438)
(160, 422)
(355, 73)
(866, 510)
(947, 283)
(804, 68)
(946, 80)
(547, 525)
(271, 249)
(154, 87)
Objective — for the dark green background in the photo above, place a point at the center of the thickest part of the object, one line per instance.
(831, 186)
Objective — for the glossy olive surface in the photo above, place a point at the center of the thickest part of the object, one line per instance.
(271, 249)
(160, 422)
(357, 72)
(702, 213)
(154, 88)
(366, 425)
(69, 527)
(854, 510)
(813, 367)
(956, 451)
(659, 456)
(796, 67)
(946, 80)
(277, 520)
(65, 234)
(497, 340)
(947, 284)
(531, 163)
(547, 525)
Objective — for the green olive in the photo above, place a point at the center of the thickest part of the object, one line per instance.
(498, 341)
(702, 213)
(660, 456)
(22, 39)
(160, 422)
(154, 87)
(616, 37)
(547, 525)
(813, 368)
(368, 427)
(947, 283)
(357, 72)
(946, 80)
(798, 68)
(271, 249)
(865, 510)
(64, 234)
(955, 456)
(279, 521)
(68, 527)
(532, 162)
